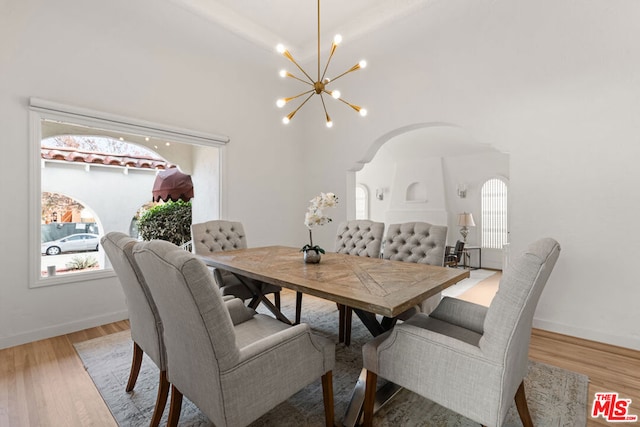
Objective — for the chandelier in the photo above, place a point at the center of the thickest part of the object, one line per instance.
(318, 86)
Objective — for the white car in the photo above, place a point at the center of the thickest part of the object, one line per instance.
(75, 243)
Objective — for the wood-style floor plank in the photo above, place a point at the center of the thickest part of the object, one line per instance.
(45, 384)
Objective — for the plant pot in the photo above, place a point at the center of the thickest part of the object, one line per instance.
(311, 256)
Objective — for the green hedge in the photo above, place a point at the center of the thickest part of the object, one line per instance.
(169, 221)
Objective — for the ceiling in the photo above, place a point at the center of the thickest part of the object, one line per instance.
(294, 23)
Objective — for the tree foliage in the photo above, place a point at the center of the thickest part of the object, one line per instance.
(169, 221)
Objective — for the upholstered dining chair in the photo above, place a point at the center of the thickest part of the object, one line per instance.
(358, 238)
(418, 242)
(144, 320)
(233, 364)
(222, 235)
(463, 356)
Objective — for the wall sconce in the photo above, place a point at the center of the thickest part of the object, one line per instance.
(462, 191)
(380, 193)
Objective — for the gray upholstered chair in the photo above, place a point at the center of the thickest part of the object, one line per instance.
(222, 235)
(232, 363)
(463, 356)
(145, 323)
(418, 242)
(359, 238)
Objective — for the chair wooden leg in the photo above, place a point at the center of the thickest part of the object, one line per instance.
(327, 397)
(135, 366)
(174, 407)
(348, 313)
(341, 314)
(523, 409)
(298, 307)
(276, 298)
(369, 398)
(161, 399)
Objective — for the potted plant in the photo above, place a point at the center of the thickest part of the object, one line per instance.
(313, 217)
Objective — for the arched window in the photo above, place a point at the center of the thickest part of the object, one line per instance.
(494, 223)
(362, 202)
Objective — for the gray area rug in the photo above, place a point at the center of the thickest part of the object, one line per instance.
(556, 397)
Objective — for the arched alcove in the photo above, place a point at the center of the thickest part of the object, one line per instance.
(421, 166)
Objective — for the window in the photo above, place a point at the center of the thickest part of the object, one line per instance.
(362, 202)
(494, 222)
(91, 174)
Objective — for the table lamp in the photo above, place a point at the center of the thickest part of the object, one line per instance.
(465, 220)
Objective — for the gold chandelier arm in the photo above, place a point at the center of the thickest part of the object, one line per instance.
(288, 55)
(326, 67)
(329, 122)
(355, 107)
(354, 68)
(293, 113)
(291, 98)
(298, 79)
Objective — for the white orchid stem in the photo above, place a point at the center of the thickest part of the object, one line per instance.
(310, 238)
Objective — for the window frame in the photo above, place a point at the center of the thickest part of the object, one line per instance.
(483, 219)
(40, 110)
(365, 189)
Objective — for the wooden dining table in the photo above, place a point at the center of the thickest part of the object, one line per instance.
(370, 286)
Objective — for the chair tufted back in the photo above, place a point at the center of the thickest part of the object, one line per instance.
(218, 235)
(359, 237)
(418, 242)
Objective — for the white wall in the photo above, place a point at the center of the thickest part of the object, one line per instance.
(147, 60)
(553, 83)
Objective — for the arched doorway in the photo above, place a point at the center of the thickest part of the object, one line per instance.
(431, 172)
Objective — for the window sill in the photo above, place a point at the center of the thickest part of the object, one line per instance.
(69, 278)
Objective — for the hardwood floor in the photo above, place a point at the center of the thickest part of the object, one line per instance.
(44, 383)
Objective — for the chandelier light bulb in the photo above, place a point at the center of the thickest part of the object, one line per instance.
(362, 64)
(285, 120)
(329, 124)
(281, 103)
(363, 112)
(335, 94)
(280, 48)
(283, 73)
(337, 39)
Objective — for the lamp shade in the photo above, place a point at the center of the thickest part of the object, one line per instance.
(466, 220)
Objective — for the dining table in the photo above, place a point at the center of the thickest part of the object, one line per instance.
(378, 290)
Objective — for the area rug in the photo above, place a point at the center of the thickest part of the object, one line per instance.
(556, 397)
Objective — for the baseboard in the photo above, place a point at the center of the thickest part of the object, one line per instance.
(625, 342)
(62, 329)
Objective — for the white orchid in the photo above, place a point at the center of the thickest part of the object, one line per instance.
(315, 216)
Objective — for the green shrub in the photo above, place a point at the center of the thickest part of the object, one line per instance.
(169, 221)
(81, 263)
